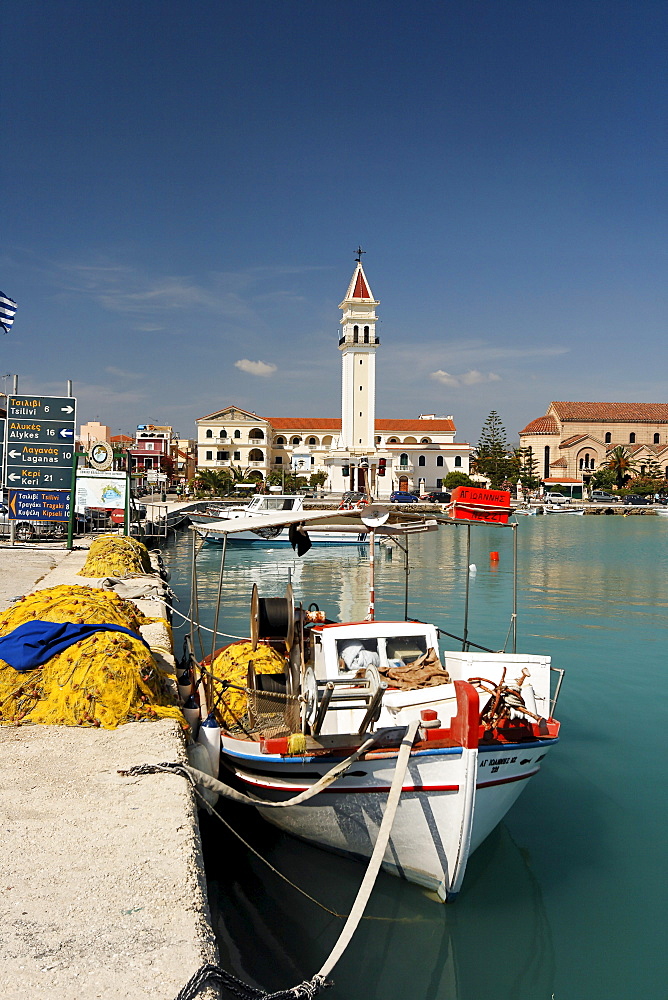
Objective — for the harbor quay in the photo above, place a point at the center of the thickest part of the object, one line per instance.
(102, 885)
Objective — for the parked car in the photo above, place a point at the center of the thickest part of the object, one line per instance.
(557, 498)
(637, 499)
(25, 530)
(436, 497)
(401, 496)
(601, 496)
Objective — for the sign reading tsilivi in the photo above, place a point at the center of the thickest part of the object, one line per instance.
(39, 442)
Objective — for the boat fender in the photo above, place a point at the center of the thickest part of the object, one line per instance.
(198, 756)
(191, 713)
(209, 736)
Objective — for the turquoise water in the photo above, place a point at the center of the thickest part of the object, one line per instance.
(567, 898)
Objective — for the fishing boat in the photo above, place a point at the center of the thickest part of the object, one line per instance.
(555, 508)
(318, 744)
(264, 531)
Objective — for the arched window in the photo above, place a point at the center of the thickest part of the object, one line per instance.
(280, 440)
(356, 334)
(312, 441)
(608, 437)
(296, 440)
(209, 433)
(393, 440)
(237, 434)
(403, 459)
(439, 460)
(255, 455)
(458, 461)
(425, 441)
(422, 460)
(632, 438)
(256, 433)
(656, 439)
(366, 334)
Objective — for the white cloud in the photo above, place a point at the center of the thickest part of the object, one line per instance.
(255, 367)
(121, 373)
(472, 377)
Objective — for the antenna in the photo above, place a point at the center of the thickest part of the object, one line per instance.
(374, 515)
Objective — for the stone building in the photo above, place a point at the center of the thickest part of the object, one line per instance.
(410, 454)
(572, 440)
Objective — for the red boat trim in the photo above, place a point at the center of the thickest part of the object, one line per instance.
(382, 788)
(506, 781)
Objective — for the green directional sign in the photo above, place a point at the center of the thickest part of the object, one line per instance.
(44, 431)
(38, 478)
(58, 455)
(42, 407)
(39, 442)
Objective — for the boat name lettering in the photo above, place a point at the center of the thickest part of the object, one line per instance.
(496, 761)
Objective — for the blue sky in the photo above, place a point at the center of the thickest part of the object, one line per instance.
(184, 186)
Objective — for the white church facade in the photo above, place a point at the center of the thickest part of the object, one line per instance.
(396, 454)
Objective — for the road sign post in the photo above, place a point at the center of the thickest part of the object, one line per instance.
(39, 455)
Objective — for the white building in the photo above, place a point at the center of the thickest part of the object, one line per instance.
(411, 454)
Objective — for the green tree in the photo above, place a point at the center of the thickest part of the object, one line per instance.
(492, 456)
(621, 463)
(604, 478)
(215, 481)
(528, 469)
(457, 479)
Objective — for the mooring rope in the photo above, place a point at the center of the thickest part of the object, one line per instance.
(308, 989)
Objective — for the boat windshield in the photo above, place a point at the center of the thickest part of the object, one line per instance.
(393, 651)
(273, 503)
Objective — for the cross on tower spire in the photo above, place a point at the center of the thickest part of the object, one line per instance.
(359, 254)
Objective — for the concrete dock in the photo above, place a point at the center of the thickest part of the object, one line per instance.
(102, 887)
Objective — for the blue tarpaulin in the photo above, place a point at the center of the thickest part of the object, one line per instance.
(33, 643)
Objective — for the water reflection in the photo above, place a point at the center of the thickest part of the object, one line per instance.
(407, 946)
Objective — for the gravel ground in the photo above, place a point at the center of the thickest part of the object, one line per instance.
(102, 887)
(22, 567)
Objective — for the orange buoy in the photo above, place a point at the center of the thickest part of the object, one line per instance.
(494, 556)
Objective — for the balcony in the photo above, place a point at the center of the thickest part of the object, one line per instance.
(256, 440)
(257, 465)
(403, 468)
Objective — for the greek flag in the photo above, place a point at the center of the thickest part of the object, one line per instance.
(7, 310)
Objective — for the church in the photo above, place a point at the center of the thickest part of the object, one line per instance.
(355, 449)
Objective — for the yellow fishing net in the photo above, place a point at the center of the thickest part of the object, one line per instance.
(107, 679)
(231, 664)
(116, 555)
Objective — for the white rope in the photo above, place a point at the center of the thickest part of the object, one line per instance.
(380, 846)
(205, 629)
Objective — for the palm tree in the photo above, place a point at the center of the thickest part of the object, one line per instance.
(621, 464)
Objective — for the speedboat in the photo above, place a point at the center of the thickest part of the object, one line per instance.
(265, 534)
(317, 739)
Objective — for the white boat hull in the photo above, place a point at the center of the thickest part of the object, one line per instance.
(264, 537)
(451, 801)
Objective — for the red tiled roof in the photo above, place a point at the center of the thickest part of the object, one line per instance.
(560, 463)
(572, 440)
(563, 480)
(120, 438)
(542, 425)
(299, 423)
(421, 427)
(650, 413)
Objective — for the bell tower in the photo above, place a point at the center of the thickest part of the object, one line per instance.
(358, 343)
